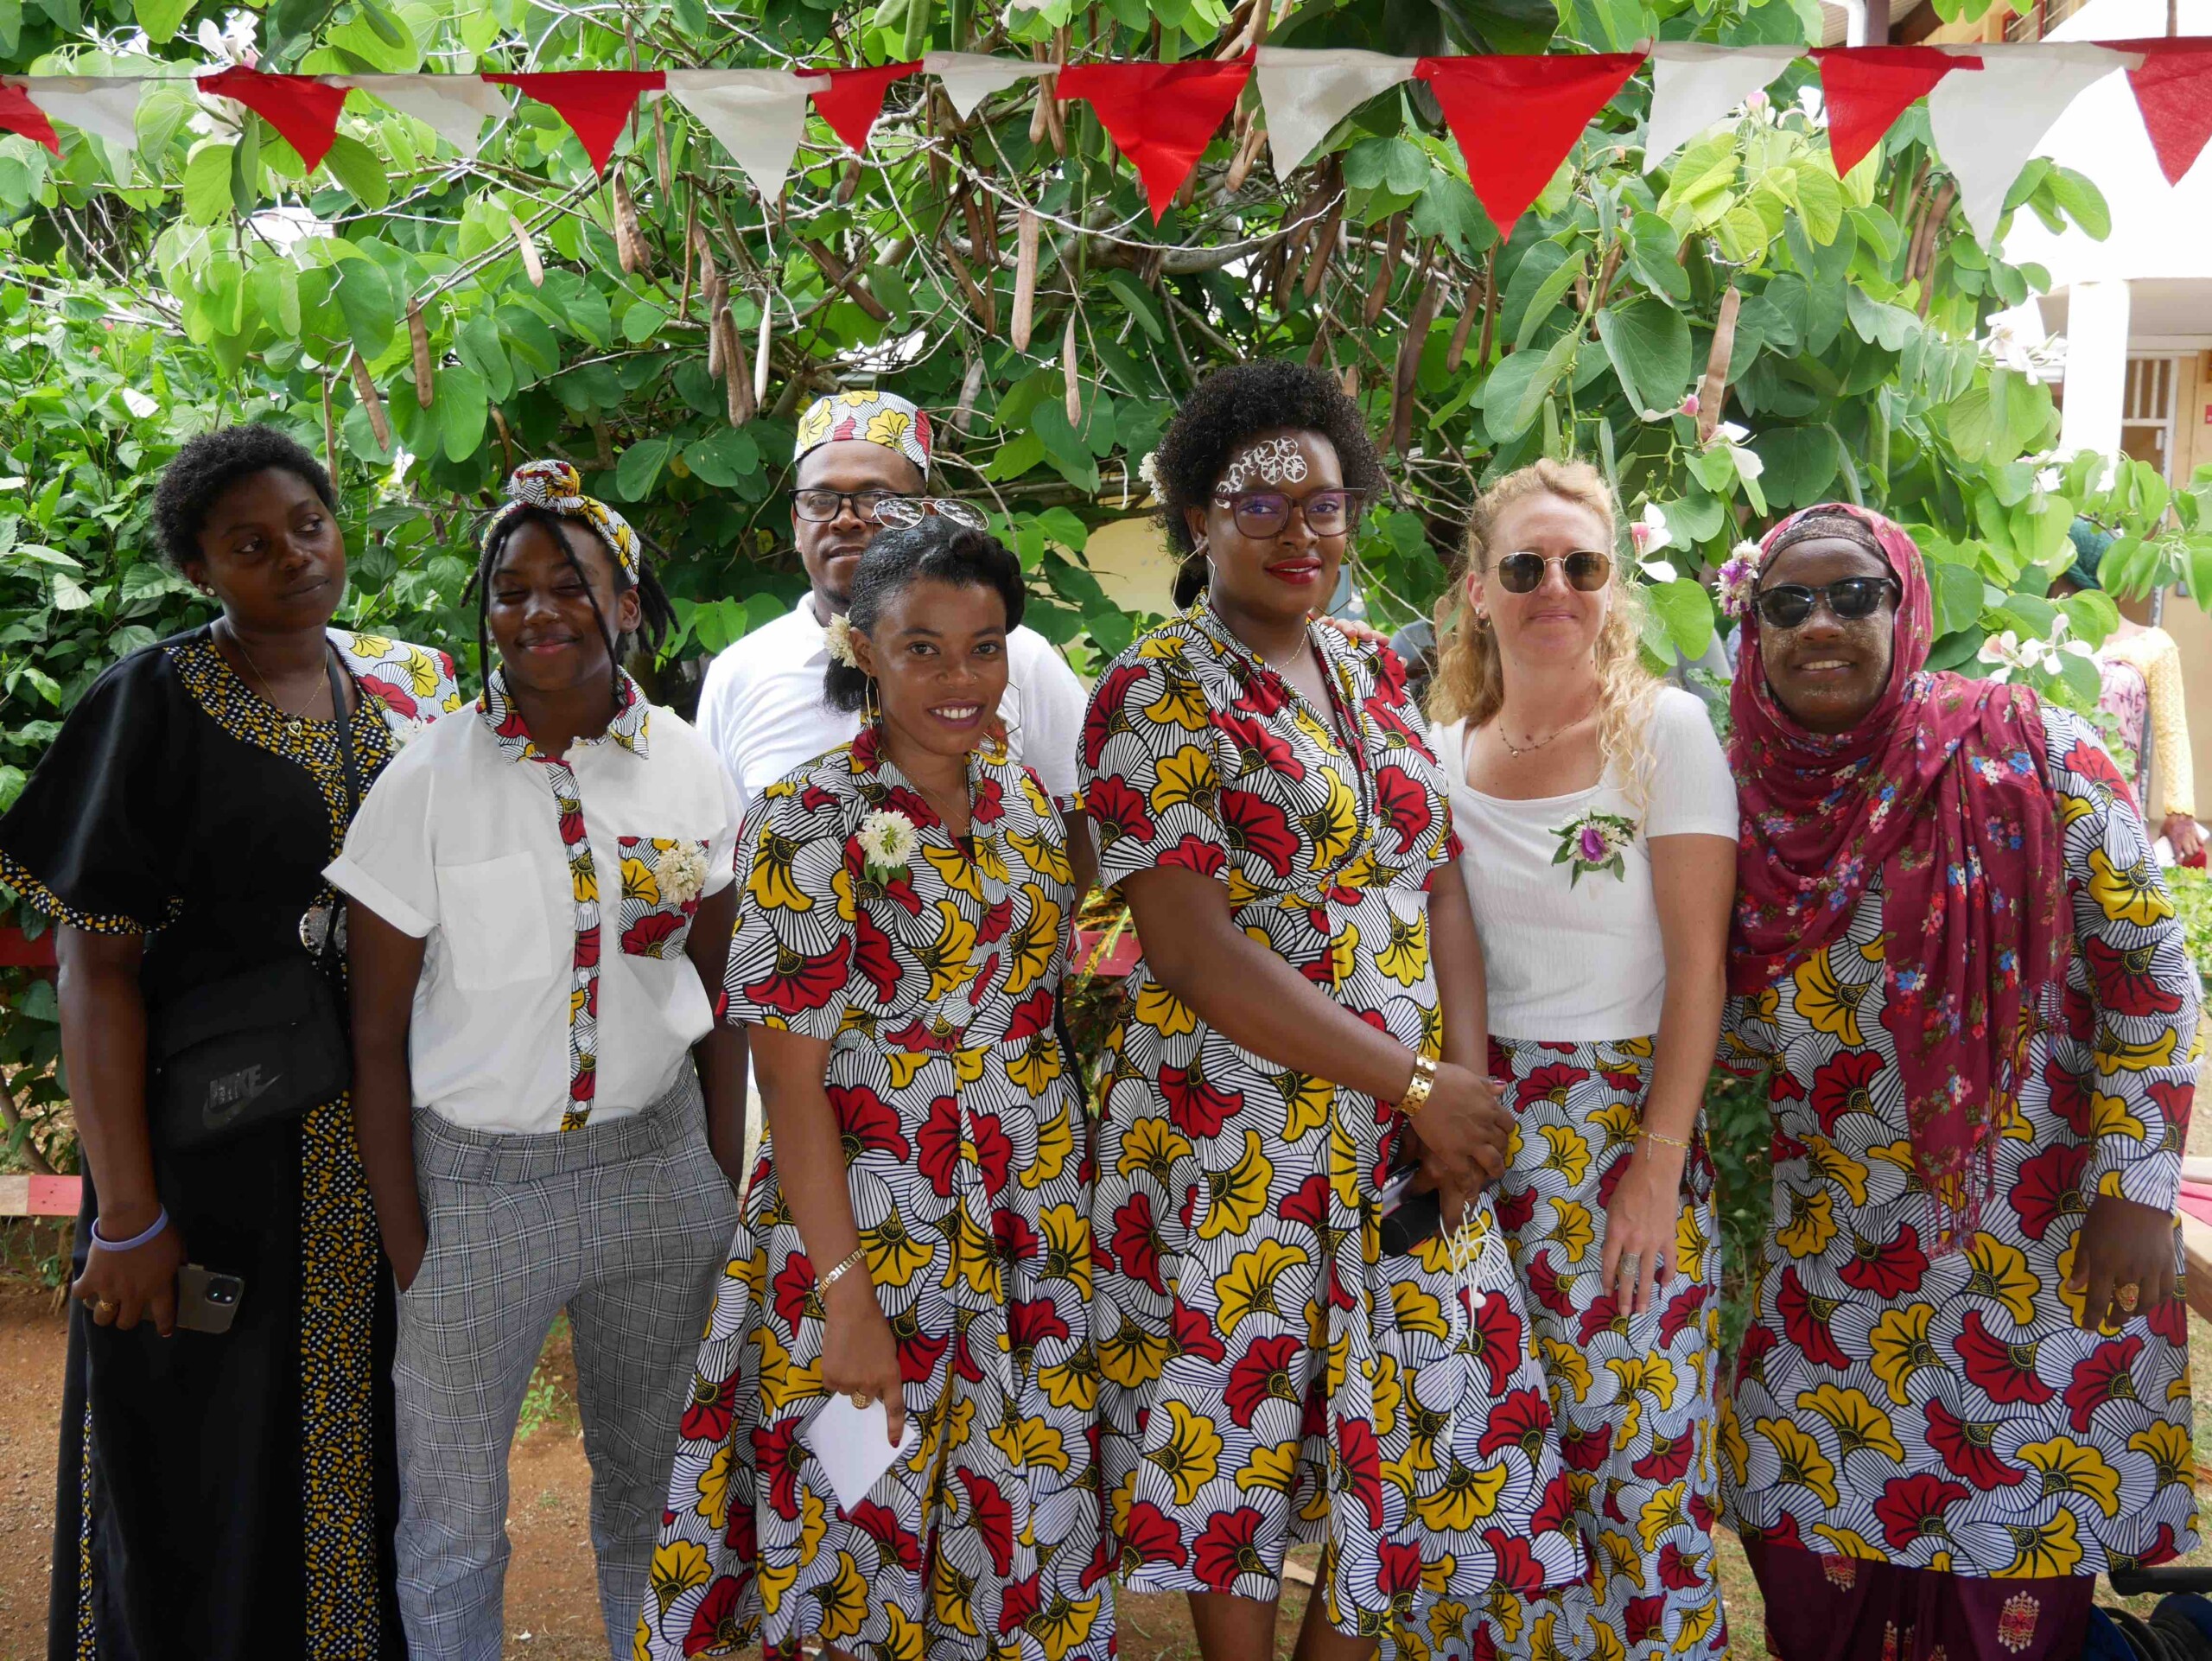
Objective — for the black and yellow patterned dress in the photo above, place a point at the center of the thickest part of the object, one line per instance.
(226, 1495)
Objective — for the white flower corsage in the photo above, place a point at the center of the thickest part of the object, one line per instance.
(1594, 842)
(1738, 582)
(837, 636)
(681, 873)
(887, 843)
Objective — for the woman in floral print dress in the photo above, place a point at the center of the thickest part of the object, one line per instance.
(1264, 800)
(1604, 980)
(918, 1228)
(1965, 1390)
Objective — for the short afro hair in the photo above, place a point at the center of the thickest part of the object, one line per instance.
(1227, 410)
(197, 477)
(936, 549)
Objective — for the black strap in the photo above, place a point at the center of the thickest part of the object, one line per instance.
(354, 792)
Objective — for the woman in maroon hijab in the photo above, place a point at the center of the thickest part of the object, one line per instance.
(1964, 1392)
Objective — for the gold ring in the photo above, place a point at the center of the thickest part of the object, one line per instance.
(105, 1307)
(2128, 1296)
(861, 1398)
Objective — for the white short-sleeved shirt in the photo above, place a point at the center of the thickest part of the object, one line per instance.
(1583, 962)
(461, 843)
(762, 708)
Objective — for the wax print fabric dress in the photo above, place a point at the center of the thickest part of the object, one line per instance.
(1944, 1411)
(1269, 1377)
(965, 1151)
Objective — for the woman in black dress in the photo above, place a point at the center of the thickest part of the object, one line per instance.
(221, 1495)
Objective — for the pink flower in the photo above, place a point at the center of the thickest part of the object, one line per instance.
(1593, 843)
(1689, 406)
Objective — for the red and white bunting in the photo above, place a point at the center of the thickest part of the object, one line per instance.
(853, 99)
(456, 107)
(1867, 88)
(1694, 86)
(19, 114)
(968, 78)
(1162, 115)
(758, 115)
(302, 108)
(105, 107)
(595, 103)
(1307, 93)
(1987, 126)
(2173, 89)
(1516, 119)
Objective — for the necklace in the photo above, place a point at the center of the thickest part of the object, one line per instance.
(1519, 750)
(267, 689)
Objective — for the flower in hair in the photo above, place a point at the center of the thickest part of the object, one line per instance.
(1739, 580)
(837, 636)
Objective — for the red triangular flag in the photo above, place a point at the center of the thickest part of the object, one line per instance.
(1516, 117)
(301, 107)
(854, 98)
(19, 114)
(1162, 115)
(595, 103)
(2173, 89)
(1867, 88)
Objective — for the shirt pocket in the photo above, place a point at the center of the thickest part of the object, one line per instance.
(663, 880)
(492, 913)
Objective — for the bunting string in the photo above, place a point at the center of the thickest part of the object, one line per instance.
(1514, 118)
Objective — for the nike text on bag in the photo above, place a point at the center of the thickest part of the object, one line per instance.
(230, 1057)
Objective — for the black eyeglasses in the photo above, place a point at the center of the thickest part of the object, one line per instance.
(1787, 605)
(1587, 569)
(1267, 513)
(884, 507)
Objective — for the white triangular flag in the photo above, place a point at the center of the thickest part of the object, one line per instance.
(456, 107)
(105, 107)
(1987, 126)
(1307, 93)
(970, 77)
(1694, 84)
(758, 115)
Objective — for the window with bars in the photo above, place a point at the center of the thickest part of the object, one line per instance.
(2148, 411)
(2039, 19)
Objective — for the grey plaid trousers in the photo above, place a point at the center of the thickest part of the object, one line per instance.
(625, 1223)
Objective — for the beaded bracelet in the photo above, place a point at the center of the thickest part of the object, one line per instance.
(152, 1229)
(831, 1278)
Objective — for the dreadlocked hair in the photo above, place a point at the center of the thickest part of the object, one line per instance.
(656, 616)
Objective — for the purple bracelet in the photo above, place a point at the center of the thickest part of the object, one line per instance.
(136, 1240)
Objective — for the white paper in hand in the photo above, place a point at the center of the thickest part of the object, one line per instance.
(854, 1444)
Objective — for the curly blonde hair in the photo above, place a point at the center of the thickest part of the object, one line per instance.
(1470, 681)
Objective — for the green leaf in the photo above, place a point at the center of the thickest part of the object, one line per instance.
(1542, 304)
(1514, 396)
(1142, 305)
(207, 180)
(1685, 609)
(642, 321)
(2083, 202)
(640, 466)
(356, 167)
(1649, 345)
(477, 341)
(1654, 257)
(462, 406)
(1956, 590)
(1064, 446)
(1801, 464)
(364, 296)
(723, 458)
(160, 18)
(2079, 676)
(2090, 615)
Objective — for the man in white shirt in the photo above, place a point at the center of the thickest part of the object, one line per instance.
(761, 708)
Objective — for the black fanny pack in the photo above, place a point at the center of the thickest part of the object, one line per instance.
(255, 1047)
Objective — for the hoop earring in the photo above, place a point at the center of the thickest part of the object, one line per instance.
(1482, 622)
(871, 712)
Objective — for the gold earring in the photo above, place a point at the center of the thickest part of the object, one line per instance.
(870, 711)
(1481, 622)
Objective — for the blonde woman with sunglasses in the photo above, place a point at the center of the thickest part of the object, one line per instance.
(1599, 821)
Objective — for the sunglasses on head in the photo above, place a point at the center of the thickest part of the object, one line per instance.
(1787, 605)
(1587, 570)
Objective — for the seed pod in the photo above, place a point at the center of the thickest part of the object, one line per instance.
(1068, 371)
(1713, 390)
(629, 235)
(419, 338)
(1246, 153)
(1349, 378)
(760, 352)
(714, 341)
(1393, 245)
(1025, 281)
(365, 390)
(1470, 309)
(971, 384)
(1409, 353)
(330, 432)
(662, 167)
(1317, 263)
(533, 267)
(739, 403)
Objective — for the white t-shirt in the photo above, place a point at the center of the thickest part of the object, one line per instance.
(762, 710)
(459, 843)
(1583, 963)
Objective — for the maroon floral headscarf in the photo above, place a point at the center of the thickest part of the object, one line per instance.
(1942, 790)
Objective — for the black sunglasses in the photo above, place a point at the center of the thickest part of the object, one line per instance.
(1587, 571)
(1787, 605)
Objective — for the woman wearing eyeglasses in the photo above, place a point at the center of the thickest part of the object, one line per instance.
(1277, 1365)
(1600, 825)
(1965, 1390)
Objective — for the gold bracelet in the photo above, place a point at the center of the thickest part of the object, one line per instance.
(830, 1279)
(1645, 1131)
(1416, 1096)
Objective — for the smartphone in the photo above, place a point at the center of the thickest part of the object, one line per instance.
(1408, 1217)
(206, 1301)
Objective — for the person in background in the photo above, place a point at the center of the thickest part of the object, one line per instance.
(550, 1116)
(1964, 1392)
(1305, 1021)
(918, 1232)
(861, 463)
(224, 1496)
(2143, 716)
(1598, 822)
